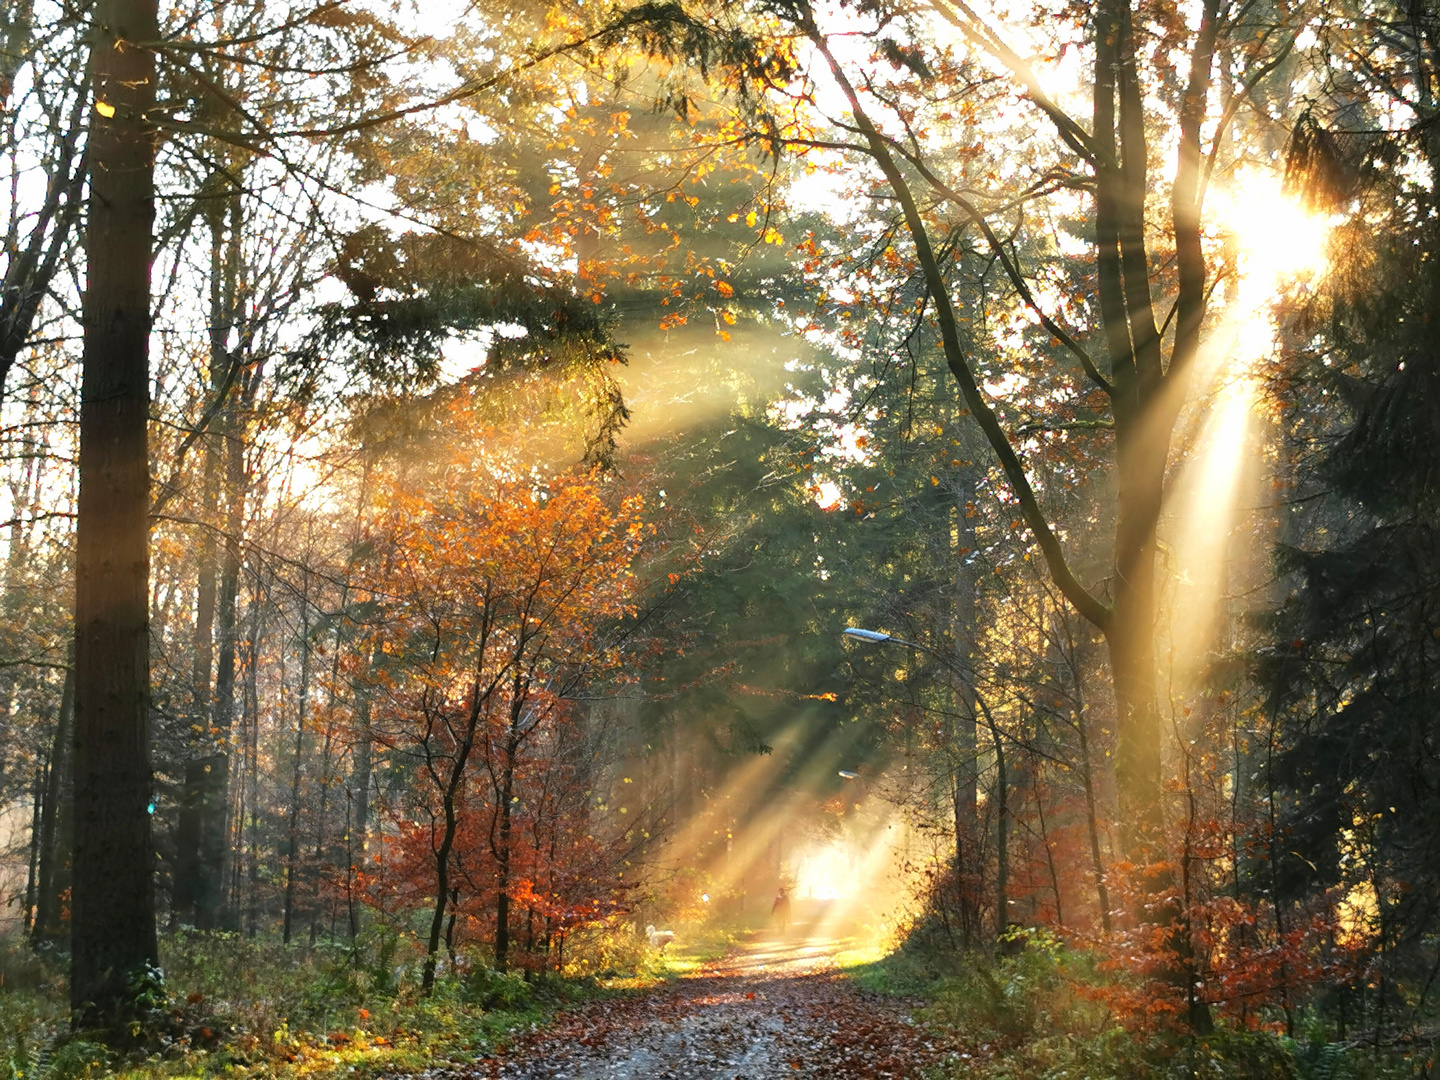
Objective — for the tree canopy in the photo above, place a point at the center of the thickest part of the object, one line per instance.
(443, 451)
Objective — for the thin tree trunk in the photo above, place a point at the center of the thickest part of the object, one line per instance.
(190, 898)
(450, 927)
(55, 831)
(1092, 823)
(1002, 823)
(362, 782)
(316, 899)
(42, 777)
(351, 909)
(1087, 774)
(1049, 855)
(449, 796)
(442, 894)
(502, 860)
(361, 774)
(966, 789)
(252, 758)
(292, 847)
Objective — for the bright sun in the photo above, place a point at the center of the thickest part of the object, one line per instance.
(1279, 241)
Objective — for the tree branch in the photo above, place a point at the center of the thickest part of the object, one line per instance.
(979, 34)
(1086, 603)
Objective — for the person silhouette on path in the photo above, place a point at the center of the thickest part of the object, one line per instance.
(780, 909)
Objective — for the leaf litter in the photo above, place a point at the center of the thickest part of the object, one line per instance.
(730, 1022)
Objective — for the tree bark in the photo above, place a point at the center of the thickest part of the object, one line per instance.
(968, 871)
(113, 899)
(292, 843)
(450, 793)
(362, 782)
(1092, 816)
(251, 779)
(502, 863)
(37, 805)
(1002, 823)
(502, 849)
(215, 852)
(56, 835)
(187, 888)
(1130, 636)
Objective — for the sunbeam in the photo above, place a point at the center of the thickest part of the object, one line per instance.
(1278, 246)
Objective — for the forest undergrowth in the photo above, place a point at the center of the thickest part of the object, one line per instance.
(228, 1005)
(1040, 1010)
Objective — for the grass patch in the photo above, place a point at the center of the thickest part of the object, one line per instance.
(700, 945)
(237, 1007)
(904, 972)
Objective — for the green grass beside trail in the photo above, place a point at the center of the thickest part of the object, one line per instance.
(692, 951)
(1036, 1015)
(235, 1007)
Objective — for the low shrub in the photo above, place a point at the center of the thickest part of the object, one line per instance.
(1040, 1013)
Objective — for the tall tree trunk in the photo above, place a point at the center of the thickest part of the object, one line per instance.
(1130, 635)
(1049, 857)
(113, 894)
(214, 841)
(358, 833)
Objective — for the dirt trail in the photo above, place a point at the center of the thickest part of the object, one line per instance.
(772, 1008)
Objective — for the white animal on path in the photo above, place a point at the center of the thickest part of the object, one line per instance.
(658, 938)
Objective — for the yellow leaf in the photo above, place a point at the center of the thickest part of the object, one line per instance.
(104, 109)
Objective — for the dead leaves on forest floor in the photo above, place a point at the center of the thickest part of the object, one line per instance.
(727, 1023)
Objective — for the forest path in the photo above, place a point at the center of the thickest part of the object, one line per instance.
(775, 1006)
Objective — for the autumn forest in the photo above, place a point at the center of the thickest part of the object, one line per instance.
(878, 538)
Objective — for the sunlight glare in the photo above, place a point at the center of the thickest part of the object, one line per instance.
(827, 494)
(1278, 240)
(1210, 488)
(825, 873)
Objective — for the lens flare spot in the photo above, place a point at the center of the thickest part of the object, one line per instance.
(827, 494)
